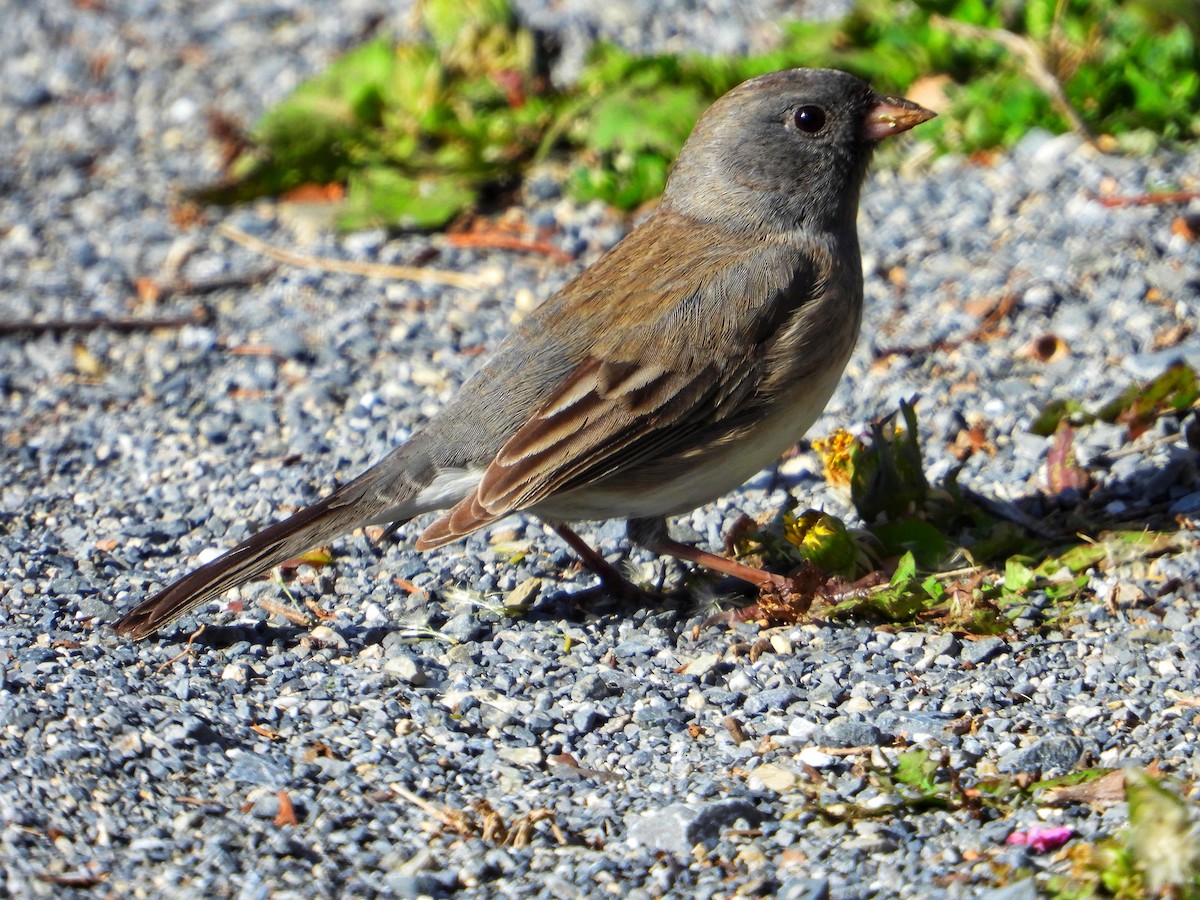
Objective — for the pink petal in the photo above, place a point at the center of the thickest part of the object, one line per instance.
(1040, 839)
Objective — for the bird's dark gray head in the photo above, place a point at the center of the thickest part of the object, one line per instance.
(785, 150)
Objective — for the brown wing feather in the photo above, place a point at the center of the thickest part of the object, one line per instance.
(579, 436)
(626, 403)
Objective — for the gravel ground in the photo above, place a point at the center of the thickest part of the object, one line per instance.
(128, 457)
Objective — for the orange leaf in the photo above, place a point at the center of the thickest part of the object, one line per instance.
(287, 812)
(315, 193)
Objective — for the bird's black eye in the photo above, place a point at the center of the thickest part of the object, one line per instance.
(809, 119)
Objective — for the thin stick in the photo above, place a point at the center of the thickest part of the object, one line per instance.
(1034, 65)
(353, 267)
(1137, 448)
(187, 649)
(1163, 198)
(425, 806)
(57, 326)
(212, 284)
(848, 751)
(160, 289)
(292, 615)
(493, 240)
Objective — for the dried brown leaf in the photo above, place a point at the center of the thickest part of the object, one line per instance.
(287, 812)
(565, 764)
(1062, 471)
(492, 828)
(292, 615)
(970, 441)
(317, 751)
(147, 289)
(734, 727)
(315, 193)
(1171, 336)
(1186, 226)
(1100, 792)
(315, 608)
(522, 831)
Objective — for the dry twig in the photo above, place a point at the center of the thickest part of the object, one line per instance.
(200, 316)
(1161, 198)
(187, 649)
(292, 615)
(1033, 63)
(354, 267)
(497, 240)
(457, 823)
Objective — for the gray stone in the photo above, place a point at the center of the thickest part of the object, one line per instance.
(260, 769)
(680, 827)
(1187, 505)
(406, 669)
(804, 889)
(774, 700)
(1025, 889)
(1051, 756)
(980, 651)
(847, 732)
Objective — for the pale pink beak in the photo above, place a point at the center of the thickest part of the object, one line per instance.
(893, 115)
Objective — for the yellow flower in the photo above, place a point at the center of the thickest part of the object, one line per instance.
(823, 540)
(836, 453)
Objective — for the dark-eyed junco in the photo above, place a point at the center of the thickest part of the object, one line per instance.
(686, 359)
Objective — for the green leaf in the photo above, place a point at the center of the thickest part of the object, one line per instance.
(470, 102)
(906, 570)
(449, 21)
(349, 94)
(415, 89)
(1057, 411)
(1018, 577)
(1174, 390)
(1112, 548)
(917, 769)
(626, 184)
(934, 589)
(823, 540)
(887, 478)
(927, 544)
(383, 197)
(657, 118)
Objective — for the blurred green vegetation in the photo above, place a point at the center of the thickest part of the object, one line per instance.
(418, 132)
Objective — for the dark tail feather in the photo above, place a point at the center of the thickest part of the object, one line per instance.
(308, 528)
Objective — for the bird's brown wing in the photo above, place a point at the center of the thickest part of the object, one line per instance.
(604, 416)
(672, 387)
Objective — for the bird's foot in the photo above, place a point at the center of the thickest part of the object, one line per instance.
(612, 581)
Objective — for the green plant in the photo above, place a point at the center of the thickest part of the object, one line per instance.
(936, 552)
(417, 132)
(421, 131)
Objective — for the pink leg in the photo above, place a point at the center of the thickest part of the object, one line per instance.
(652, 534)
(761, 579)
(614, 582)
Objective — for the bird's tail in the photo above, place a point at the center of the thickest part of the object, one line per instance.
(356, 504)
